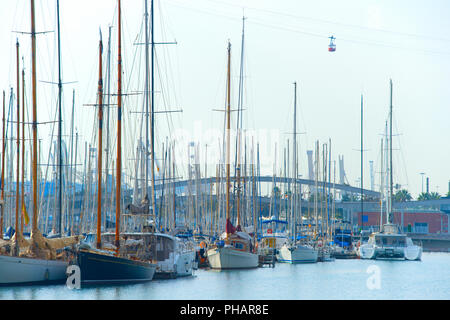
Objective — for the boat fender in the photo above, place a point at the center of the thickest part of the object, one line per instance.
(46, 274)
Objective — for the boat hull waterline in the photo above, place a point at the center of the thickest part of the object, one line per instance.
(21, 270)
(230, 258)
(297, 254)
(98, 268)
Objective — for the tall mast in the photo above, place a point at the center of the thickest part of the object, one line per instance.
(239, 127)
(294, 195)
(59, 128)
(362, 177)
(174, 190)
(23, 149)
(153, 110)
(386, 174)
(34, 127)
(381, 184)
(100, 150)
(3, 170)
(72, 181)
(228, 140)
(16, 248)
(390, 160)
(107, 112)
(146, 99)
(119, 129)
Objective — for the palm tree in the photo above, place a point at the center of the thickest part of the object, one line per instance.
(429, 196)
(434, 196)
(423, 196)
(402, 196)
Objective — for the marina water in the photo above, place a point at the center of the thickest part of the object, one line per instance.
(338, 280)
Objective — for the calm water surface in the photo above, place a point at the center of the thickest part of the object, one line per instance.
(340, 279)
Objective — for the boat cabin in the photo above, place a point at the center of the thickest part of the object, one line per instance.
(388, 240)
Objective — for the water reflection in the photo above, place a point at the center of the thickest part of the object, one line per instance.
(341, 279)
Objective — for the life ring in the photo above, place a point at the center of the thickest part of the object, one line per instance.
(269, 231)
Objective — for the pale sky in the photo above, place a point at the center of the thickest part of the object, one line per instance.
(285, 41)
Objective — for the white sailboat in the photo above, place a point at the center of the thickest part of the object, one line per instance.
(293, 251)
(35, 260)
(390, 243)
(235, 250)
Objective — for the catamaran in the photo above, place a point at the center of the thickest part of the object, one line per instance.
(390, 243)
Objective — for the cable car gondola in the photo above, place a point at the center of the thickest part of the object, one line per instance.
(332, 45)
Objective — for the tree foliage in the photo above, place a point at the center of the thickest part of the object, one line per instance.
(402, 196)
(428, 196)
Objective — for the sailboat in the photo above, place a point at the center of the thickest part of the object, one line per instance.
(116, 265)
(292, 251)
(174, 256)
(35, 260)
(235, 249)
(390, 243)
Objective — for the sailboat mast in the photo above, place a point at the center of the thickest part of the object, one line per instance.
(174, 189)
(228, 140)
(146, 98)
(381, 184)
(59, 127)
(3, 170)
(23, 150)
(294, 195)
(34, 127)
(390, 160)
(362, 165)
(99, 152)
(153, 109)
(18, 148)
(119, 128)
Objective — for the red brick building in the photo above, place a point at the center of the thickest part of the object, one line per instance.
(434, 222)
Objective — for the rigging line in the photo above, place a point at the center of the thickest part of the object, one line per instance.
(402, 153)
(163, 97)
(380, 44)
(337, 23)
(252, 20)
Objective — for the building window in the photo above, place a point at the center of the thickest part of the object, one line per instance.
(421, 227)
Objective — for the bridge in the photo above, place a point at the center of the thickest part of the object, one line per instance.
(270, 179)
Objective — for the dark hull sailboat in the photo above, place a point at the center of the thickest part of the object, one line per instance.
(104, 268)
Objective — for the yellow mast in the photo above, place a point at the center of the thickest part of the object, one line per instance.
(22, 206)
(119, 131)
(33, 68)
(99, 150)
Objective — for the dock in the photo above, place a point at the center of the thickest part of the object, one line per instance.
(267, 258)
